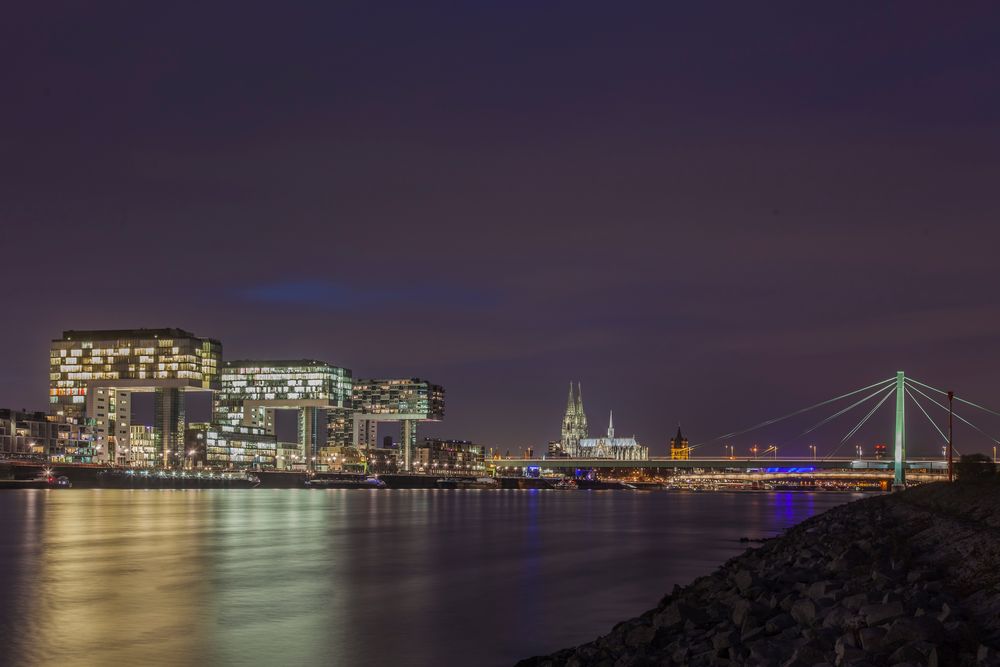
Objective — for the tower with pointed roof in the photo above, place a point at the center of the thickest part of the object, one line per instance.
(574, 426)
(679, 446)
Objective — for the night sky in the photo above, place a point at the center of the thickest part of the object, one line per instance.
(707, 213)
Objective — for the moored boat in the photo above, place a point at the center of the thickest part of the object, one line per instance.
(43, 481)
(344, 482)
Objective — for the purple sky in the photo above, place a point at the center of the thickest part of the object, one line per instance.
(710, 213)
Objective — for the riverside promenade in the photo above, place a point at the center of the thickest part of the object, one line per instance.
(911, 578)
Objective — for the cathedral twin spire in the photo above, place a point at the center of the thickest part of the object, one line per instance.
(575, 422)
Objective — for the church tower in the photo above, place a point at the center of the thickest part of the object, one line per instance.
(679, 446)
(574, 426)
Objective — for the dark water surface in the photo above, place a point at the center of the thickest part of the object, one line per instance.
(352, 577)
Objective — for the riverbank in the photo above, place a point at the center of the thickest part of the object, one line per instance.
(911, 578)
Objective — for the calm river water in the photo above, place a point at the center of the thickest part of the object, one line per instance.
(352, 577)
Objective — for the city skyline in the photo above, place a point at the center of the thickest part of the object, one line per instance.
(303, 385)
(502, 198)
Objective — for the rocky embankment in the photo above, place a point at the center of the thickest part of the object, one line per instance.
(907, 579)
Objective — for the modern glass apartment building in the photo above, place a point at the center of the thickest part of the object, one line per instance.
(405, 400)
(253, 390)
(409, 396)
(229, 447)
(120, 361)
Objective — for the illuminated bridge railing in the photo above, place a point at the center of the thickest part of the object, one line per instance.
(793, 464)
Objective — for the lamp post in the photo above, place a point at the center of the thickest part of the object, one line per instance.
(951, 448)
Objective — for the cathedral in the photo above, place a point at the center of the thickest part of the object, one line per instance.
(622, 449)
(576, 440)
(574, 426)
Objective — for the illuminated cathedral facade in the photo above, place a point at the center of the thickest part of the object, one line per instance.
(574, 426)
(576, 441)
(610, 447)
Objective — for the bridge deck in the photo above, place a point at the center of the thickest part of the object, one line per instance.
(723, 463)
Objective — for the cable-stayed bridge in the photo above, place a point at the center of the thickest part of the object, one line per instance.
(865, 401)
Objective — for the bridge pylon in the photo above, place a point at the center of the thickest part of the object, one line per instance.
(899, 481)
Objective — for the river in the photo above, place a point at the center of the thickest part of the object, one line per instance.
(352, 577)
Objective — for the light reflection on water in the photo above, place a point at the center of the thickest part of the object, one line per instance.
(345, 577)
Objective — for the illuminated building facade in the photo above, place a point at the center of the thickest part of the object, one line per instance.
(37, 435)
(227, 447)
(610, 447)
(252, 390)
(288, 455)
(91, 374)
(574, 426)
(141, 451)
(109, 415)
(450, 455)
(679, 448)
(407, 401)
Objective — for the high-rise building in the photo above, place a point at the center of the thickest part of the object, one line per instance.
(252, 390)
(574, 425)
(93, 373)
(406, 400)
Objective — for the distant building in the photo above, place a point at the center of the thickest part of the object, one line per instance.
(610, 447)
(252, 390)
(451, 455)
(92, 375)
(403, 400)
(141, 451)
(555, 449)
(287, 455)
(35, 435)
(679, 448)
(574, 426)
(228, 447)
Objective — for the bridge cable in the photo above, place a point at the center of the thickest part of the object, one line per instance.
(845, 410)
(858, 426)
(957, 416)
(927, 386)
(992, 412)
(769, 422)
(936, 428)
(957, 397)
(866, 418)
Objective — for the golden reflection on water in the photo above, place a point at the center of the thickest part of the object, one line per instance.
(146, 577)
(344, 577)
